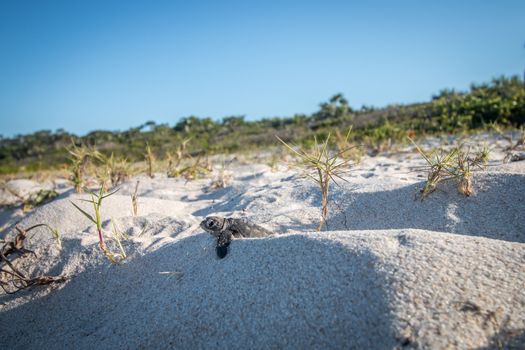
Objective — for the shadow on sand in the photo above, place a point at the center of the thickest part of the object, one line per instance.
(273, 295)
(495, 211)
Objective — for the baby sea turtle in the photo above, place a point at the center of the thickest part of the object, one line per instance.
(225, 229)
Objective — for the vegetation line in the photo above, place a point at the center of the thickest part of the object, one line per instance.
(494, 106)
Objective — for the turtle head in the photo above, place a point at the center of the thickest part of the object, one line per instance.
(213, 224)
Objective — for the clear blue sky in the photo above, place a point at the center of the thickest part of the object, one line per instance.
(85, 65)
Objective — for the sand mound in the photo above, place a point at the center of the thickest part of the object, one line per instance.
(372, 289)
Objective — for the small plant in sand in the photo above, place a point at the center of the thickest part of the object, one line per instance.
(80, 157)
(222, 179)
(513, 144)
(174, 160)
(273, 161)
(35, 199)
(135, 200)
(192, 168)
(454, 164)
(517, 145)
(195, 169)
(96, 200)
(324, 167)
(113, 171)
(150, 160)
(12, 253)
(198, 168)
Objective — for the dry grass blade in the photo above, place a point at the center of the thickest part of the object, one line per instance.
(118, 236)
(150, 159)
(345, 148)
(463, 174)
(135, 200)
(178, 274)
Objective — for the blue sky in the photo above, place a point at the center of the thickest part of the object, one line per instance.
(85, 65)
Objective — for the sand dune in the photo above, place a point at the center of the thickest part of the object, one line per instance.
(389, 271)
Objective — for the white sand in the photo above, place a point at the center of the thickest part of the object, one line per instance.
(389, 272)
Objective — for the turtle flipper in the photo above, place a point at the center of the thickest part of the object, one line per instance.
(221, 251)
(222, 244)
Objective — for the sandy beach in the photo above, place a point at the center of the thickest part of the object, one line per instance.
(387, 271)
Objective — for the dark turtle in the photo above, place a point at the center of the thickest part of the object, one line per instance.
(225, 229)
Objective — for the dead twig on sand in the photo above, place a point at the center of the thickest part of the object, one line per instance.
(12, 278)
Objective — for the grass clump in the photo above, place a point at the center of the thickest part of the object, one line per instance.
(96, 200)
(514, 146)
(454, 164)
(195, 168)
(113, 171)
(182, 164)
(80, 157)
(150, 161)
(323, 167)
